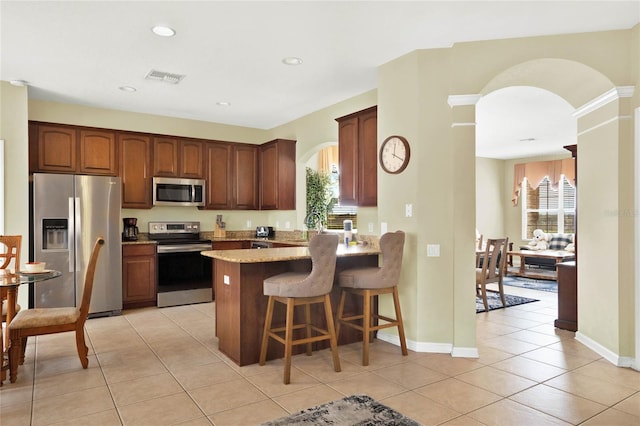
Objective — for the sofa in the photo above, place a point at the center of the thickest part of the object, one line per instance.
(556, 242)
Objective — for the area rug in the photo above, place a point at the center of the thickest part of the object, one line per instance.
(530, 283)
(493, 299)
(352, 410)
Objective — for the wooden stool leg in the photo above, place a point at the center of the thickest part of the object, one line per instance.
(307, 319)
(340, 315)
(265, 333)
(82, 348)
(288, 341)
(396, 303)
(332, 333)
(484, 297)
(366, 327)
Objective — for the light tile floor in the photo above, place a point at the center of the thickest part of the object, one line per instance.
(162, 367)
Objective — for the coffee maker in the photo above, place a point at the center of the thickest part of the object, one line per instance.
(130, 232)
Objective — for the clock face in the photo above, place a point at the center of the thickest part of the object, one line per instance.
(394, 154)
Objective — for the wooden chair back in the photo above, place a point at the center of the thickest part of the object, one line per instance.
(495, 256)
(88, 280)
(10, 246)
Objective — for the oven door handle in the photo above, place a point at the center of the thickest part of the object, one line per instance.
(182, 248)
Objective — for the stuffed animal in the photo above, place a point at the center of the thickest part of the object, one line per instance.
(540, 240)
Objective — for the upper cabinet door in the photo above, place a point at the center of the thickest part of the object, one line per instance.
(278, 175)
(98, 153)
(191, 159)
(245, 177)
(358, 158)
(135, 170)
(219, 175)
(368, 159)
(165, 157)
(348, 161)
(56, 149)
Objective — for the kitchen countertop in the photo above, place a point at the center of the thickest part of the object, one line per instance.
(283, 253)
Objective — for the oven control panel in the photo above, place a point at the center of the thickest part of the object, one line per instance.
(174, 227)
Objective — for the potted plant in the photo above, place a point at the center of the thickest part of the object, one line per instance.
(320, 199)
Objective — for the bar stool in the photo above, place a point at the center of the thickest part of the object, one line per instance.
(372, 281)
(303, 289)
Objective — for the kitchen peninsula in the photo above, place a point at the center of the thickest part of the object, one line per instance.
(241, 305)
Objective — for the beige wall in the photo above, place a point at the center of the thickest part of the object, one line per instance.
(577, 67)
(491, 201)
(440, 180)
(14, 131)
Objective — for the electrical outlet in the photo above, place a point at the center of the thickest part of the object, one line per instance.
(433, 250)
(370, 226)
(248, 224)
(408, 210)
(277, 224)
(226, 280)
(383, 228)
(287, 224)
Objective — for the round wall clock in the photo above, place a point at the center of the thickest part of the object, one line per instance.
(394, 154)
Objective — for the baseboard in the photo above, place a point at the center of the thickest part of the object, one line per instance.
(465, 353)
(612, 357)
(440, 348)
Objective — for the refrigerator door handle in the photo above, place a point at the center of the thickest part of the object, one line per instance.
(77, 223)
(72, 232)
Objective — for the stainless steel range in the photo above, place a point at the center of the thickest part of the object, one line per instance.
(184, 275)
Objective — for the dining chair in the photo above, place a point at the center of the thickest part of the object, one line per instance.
(41, 321)
(492, 268)
(303, 289)
(10, 246)
(373, 281)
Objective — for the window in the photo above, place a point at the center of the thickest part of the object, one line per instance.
(549, 209)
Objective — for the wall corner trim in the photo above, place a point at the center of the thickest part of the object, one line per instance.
(458, 352)
(600, 101)
(462, 100)
(612, 357)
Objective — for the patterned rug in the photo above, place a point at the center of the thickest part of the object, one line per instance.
(493, 299)
(530, 283)
(351, 410)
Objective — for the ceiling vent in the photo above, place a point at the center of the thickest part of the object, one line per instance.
(166, 77)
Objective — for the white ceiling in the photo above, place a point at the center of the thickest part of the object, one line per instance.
(231, 51)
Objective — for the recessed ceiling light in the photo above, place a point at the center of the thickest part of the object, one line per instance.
(292, 60)
(127, 88)
(223, 103)
(19, 83)
(163, 31)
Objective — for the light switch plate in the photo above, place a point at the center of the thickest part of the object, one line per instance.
(433, 250)
(226, 280)
(383, 228)
(248, 224)
(408, 210)
(370, 226)
(287, 224)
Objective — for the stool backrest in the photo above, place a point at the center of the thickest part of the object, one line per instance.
(10, 250)
(323, 249)
(392, 247)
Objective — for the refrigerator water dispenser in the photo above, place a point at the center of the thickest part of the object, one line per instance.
(55, 234)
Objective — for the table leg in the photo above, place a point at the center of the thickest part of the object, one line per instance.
(12, 296)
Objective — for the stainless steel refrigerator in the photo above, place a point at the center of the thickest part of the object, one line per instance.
(68, 213)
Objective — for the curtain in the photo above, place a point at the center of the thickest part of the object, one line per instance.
(536, 171)
(326, 158)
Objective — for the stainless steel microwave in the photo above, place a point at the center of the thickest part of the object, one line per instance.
(178, 192)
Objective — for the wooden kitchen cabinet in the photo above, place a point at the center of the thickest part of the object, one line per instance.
(180, 158)
(245, 177)
(232, 176)
(138, 275)
(278, 175)
(231, 245)
(219, 175)
(70, 149)
(98, 152)
(357, 151)
(135, 170)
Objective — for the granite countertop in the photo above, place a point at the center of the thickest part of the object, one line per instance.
(283, 253)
